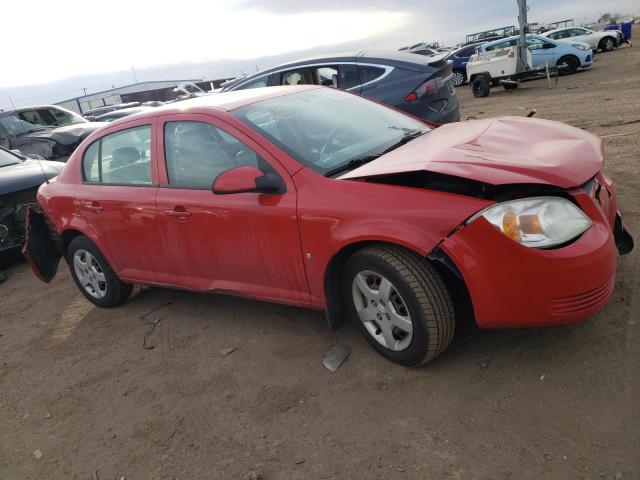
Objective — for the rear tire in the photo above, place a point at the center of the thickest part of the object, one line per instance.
(94, 276)
(568, 65)
(481, 87)
(413, 320)
(607, 44)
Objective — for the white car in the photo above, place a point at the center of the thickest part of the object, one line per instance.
(605, 41)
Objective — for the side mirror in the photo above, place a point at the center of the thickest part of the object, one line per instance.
(247, 179)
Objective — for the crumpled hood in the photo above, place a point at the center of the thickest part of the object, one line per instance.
(497, 151)
(67, 135)
(28, 174)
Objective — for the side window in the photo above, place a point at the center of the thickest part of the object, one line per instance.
(257, 83)
(497, 46)
(90, 163)
(122, 158)
(554, 36)
(465, 53)
(197, 152)
(535, 44)
(369, 73)
(348, 76)
(328, 76)
(61, 118)
(305, 76)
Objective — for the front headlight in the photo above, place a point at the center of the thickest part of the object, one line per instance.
(582, 47)
(538, 221)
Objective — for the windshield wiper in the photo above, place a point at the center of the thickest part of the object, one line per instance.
(351, 164)
(356, 162)
(406, 138)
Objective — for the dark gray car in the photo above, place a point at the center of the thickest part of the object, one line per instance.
(419, 85)
(47, 130)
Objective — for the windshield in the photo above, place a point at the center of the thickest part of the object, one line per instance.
(37, 119)
(8, 158)
(15, 126)
(325, 129)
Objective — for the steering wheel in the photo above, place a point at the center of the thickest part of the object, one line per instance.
(330, 139)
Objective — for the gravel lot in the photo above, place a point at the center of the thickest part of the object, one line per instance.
(79, 391)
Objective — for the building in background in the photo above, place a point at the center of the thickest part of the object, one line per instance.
(161, 90)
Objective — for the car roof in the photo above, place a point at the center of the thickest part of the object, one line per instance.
(388, 57)
(225, 101)
(33, 107)
(561, 29)
(512, 37)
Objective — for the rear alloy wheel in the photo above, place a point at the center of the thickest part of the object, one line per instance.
(607, 44)
(567, 65)
(481, 87)
(400, 303)
(458, 78)
(94, 276)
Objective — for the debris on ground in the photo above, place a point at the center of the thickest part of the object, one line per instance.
(152, 320)
(335, 357)
(37, 453)
(253, 475)
(299, 461)
(226, 351)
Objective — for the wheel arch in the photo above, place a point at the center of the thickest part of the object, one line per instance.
(334, 311)
(603, 39)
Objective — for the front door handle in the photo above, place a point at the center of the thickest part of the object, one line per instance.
(179, 212)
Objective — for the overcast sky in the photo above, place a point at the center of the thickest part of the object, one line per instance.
(62, 46)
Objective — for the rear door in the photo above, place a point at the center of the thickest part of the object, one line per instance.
(244, 243)
(117, 200)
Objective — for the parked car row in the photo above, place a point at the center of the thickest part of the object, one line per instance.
(547, 48)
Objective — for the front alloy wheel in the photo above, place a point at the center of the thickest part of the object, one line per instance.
(400, 303)
(382, 310)
(458, 78)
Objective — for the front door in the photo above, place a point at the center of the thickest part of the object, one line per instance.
(117, 202)
(244, 243)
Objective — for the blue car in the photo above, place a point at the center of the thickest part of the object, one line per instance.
(460, 57)
(567, 57)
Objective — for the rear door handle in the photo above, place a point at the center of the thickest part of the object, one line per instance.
(94, 207)
(179, 214)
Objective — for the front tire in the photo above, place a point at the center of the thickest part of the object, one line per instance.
(459, 78)
(607, 44)
(568, 65)
(400, 303)
(94, 276)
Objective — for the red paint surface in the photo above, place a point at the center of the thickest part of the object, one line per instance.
(256, 245)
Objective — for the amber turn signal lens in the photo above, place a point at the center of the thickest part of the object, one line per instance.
(530, 224)
(510, 225)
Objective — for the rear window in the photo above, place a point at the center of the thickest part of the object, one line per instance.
(369, 73)
(121, 158)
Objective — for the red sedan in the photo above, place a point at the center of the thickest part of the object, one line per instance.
(319, 198)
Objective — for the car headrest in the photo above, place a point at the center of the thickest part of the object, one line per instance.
(125, 156)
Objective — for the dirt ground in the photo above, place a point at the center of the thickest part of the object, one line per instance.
(78, 388)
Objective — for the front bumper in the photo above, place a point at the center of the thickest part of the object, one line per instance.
(513, 286)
